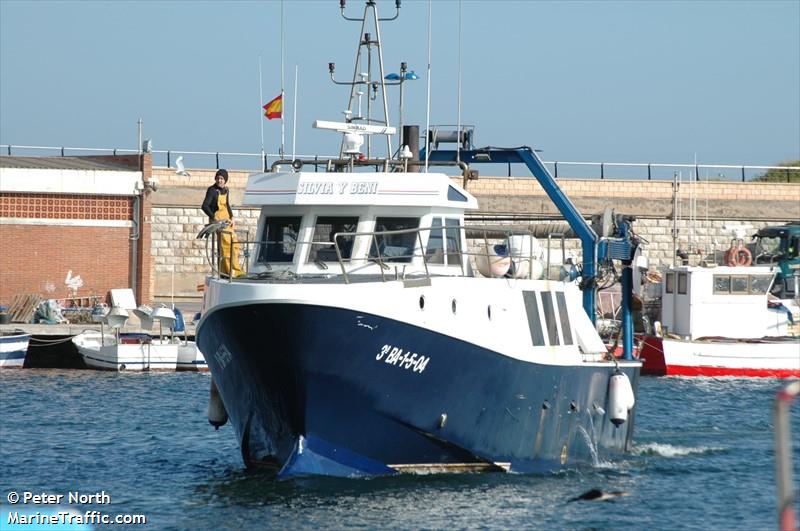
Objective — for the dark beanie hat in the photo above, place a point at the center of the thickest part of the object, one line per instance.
(223, 172)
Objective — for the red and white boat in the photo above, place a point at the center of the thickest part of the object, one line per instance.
(721, 321)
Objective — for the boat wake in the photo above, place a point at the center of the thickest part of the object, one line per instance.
(669, 450)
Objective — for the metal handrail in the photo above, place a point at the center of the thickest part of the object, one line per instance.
(485, 233)
(603, 167)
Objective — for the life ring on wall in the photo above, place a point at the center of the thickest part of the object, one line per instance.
(738, 256)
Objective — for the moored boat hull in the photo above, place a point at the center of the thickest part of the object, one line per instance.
(766, 358)
(332, 391)
(136, 353)
(13, 349)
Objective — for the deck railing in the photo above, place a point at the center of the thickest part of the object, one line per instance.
(564, 169)
(518, 262)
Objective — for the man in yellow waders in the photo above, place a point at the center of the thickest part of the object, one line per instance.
(217, 207)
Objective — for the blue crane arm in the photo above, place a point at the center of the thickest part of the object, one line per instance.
(525, 155)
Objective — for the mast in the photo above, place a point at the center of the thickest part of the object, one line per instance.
(363, 83)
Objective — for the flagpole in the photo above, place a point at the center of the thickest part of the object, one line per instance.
(260, 114)
(282, 93)
(428, 112)
(458, 119)
(294, 117)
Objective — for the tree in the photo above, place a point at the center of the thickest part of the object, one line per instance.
(781, 176)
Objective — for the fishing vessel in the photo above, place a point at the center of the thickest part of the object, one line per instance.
(363, 339)
(118, 351)
(723, 321)
(13, 348)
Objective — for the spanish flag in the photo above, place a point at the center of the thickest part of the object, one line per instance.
(274, 109)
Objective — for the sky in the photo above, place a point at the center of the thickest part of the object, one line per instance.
(648, 81)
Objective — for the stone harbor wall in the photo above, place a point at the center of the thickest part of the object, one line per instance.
(180, 258)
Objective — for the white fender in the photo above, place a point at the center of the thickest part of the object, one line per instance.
(490, 264)
(620, 397)
(217, 415)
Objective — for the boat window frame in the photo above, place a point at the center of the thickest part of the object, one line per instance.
(446, 232)
(346, 243)
(751, 287)
(751, 282)
(379, 240)
(742, 290)
(717, 291)
(452, 233)
(264, 244)
(793, 249)
(683, 283)
(669, 282)
(435, 256)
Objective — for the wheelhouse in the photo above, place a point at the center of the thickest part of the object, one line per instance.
(332, 223)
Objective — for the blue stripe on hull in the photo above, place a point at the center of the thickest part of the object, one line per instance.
(13, 355)
(313, 371)
(14, 338)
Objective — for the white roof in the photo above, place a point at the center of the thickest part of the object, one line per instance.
(70, 181)
(365, 188)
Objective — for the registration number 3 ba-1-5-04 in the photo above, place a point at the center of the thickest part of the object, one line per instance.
(401, 358)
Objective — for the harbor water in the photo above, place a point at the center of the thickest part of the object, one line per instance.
(702, 459)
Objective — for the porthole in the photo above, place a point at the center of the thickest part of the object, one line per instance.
(422, 302)
(453, 306)
(489, 312)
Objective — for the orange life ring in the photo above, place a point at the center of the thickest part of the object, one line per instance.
(738, 256)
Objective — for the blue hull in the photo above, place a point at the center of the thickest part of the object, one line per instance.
(318, 390)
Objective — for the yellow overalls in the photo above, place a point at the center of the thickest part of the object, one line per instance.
(227, 240)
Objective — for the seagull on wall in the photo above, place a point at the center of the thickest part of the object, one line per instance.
(179, 169)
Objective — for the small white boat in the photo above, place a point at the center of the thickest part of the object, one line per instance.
(13, 349)
(719, 321)
(138, 351)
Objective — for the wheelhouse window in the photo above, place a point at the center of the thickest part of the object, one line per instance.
(670, 282)
(768, 246)
(394, 247)
(444, 247)
(279, 239)
(759, 284)
(683, 279)
(722, 283)
(794, 247)
(453, 233)
(741, 284)
(322, 246)
(434, 253)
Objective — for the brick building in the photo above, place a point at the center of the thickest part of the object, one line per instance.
(75, 226)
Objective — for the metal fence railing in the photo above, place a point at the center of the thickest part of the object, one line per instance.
(563, 169)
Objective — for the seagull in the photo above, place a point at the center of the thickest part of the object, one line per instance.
(599, 495)
(179, 169)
